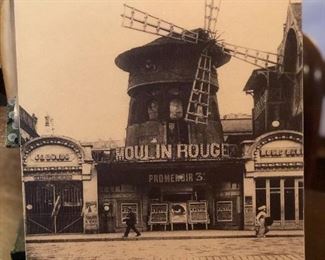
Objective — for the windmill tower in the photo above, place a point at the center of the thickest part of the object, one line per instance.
(173, 80)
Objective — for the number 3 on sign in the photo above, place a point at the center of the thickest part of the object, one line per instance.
(199, 176)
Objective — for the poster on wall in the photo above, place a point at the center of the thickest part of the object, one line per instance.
(224, 211)
(178, 212)
(125, 210)
(198, 212)
(249, 216)
(158, 213)
(90, 216)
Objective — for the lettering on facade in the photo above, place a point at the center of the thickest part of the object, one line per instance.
(168, 152)
(52, 177)
(62, 157)
(281, 152)
(197, 177)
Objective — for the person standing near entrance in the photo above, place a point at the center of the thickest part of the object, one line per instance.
(261, 226)
(130, 221)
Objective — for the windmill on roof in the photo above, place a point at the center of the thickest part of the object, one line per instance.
(179, 70)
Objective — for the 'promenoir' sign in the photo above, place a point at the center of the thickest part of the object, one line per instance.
(166, 178)
(168, 152)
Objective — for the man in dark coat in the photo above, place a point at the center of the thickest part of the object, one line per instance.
(130, 221)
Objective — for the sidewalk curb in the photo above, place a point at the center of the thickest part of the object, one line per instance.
(94, 239)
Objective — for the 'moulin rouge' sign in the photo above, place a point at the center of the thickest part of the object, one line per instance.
(166, 152)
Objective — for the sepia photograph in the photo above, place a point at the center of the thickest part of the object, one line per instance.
(161, 129)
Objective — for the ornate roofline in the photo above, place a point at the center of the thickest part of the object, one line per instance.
(272, 136)
(53, 140)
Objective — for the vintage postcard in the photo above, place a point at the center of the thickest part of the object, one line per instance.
(161, 129)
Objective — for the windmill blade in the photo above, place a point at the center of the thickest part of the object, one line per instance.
(138, 20)
(211, 12)
(198, 105)
(262, 59)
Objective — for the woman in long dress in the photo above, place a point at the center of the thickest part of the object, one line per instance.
(261, 228)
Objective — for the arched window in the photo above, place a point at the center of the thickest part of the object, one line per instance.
(153, 110)
(175, 109)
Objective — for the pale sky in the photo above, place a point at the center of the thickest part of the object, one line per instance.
(66, 51)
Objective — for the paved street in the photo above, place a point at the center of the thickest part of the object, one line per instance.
(289, 248)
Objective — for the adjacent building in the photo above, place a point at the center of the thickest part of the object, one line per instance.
(28, 126)
(237, 128)
(274, 157)
(60, 186)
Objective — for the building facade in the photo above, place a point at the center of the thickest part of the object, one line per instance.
(173, 187)
(60, 186)
(274, 178)
(237, 128)
(274, 158)
(27, 128)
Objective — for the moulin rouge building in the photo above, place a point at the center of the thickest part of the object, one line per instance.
(177, 174)
(174, 174)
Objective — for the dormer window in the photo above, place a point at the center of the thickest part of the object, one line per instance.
(176, 109)
(153, 110)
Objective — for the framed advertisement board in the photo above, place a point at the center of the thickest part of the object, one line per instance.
(224, 211)
(124, 210)
(158, 214)
(198, 213)
(178, 213)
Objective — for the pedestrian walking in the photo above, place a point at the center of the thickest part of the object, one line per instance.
(261, 222)
(130, 221)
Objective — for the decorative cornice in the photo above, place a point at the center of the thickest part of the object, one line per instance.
(52, 140)
(273, 136)
(51, 168)
(279, 165)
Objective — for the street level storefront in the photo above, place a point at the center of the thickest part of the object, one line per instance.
(171, 187)
(60, 186)
(274, 177)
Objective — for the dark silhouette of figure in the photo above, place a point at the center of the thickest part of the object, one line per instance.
(130, 221)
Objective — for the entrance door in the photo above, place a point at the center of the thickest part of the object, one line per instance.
(228, 206)
(283, 198)
(275, 199)
(289, 199)
(300, 185)
(53, 207)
